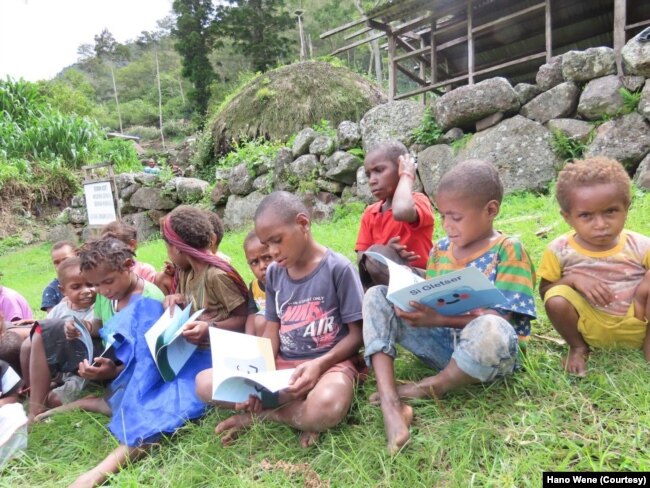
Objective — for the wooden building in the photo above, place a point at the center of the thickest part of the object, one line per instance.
(441, 44)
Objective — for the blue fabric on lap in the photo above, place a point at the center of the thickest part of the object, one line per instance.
(144, 405)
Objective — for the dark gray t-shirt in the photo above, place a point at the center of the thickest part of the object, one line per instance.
(314, 311)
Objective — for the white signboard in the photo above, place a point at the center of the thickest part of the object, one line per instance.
(99, 203)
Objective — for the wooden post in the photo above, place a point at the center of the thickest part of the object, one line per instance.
(470, 44)
(548, 31)
(433, 54)
(620, 19)
(392, 71)
(423, 75)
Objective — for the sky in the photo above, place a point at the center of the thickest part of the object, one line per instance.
(38, 38)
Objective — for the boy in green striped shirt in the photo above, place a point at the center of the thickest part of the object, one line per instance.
(476, 347)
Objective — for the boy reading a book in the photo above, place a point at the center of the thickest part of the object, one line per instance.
(476, 347)
(259, 259)
(401, 218)
(51, 352)
(595, 280)
(313, 318)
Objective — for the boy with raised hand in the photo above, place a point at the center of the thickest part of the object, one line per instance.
(402, 219)
(595, 280)
(51, 351)
(476, 347)
(313, 318)
(52, 295)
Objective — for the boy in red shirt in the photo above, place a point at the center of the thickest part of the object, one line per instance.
(402, 218)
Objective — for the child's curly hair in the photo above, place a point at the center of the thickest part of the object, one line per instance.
(192, 226)
(120, 230)
(217, 225)
(598, 170)
(107, 251)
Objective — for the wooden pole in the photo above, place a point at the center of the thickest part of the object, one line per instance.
(470, 44)
(548, 31)
(423, 75)
(392, 71)
(433, 54)
(620, 19)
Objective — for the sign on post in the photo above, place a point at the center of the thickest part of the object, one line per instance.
(100, 203)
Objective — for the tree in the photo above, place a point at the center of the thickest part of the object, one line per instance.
(108, 49)
(256, 29)
(194, 42)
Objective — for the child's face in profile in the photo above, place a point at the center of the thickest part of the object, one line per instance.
(286, 241)
(61, 254)
(258, 258)
(110, 283)
(382, 175)
(463, 219)
(76, 289)
(597, 215)
(177, 257)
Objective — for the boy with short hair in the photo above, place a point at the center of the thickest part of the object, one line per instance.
(313, 318)
(51, 351)
(52, 295)
(259, 259)
(401, 219)
(476, 347)
(595, 281)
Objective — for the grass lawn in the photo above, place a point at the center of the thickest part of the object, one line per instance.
(503, 434)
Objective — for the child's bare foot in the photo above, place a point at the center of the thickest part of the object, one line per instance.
(88, 480)
(397, 420)
(576, 362)
(232, 427)
(308, 439)
(409, 391)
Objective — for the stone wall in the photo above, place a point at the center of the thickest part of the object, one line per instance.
(577, 94)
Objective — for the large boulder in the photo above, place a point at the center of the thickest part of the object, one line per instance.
(578, 130)
(392, 120)
(644, 102)
(280, 102)
(191, 190)
(78, 215)
(240, 211)
(522, 151)
(342, 166)
(220, 192)
(550, 74)
(303, 140)
(601, 98)
(143, 223)
(62, 232)
(281, 162)
(151, 199)
(123, 180)
(636, 57)
(363, 192)
(322, 146)
(305, 167)
(433, 162)
(468, 104)
(348, 135)
(586, 65)
(626, 139)
(558, 102)
(642, 175)
(240, 180)
(526, 92)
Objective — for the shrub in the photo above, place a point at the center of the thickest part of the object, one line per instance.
(428, 132)
(567, 147)
(121, 153)
(254, 153)
(630, 100)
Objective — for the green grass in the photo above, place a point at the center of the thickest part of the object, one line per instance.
(503, 434)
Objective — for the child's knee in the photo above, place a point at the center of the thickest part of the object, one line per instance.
(558, 305)
(332, 404)
(204, 385)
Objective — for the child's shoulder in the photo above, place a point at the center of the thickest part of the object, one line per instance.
(152, 291)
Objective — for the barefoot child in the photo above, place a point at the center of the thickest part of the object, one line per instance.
(595, 280)
(313, 318)
(401, 219)
(259, 259)
(51, 353)
(476, 347)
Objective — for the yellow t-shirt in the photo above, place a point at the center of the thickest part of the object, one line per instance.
(621, 268)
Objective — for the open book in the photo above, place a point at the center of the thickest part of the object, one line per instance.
(86, 339)
(170, 350)
(243, 365)
(451, 294)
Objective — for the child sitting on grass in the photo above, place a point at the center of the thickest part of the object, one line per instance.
(595, 281)
(51, 353)
(401, 219)
(52, 294)
(259, 259)
(476, 347)
(313, 318)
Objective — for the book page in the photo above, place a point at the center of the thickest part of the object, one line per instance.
(85, 338)
(400, 277)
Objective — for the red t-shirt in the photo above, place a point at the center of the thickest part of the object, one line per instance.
(378, 227)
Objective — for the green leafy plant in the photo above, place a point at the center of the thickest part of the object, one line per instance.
(459, 144)
(428, 132)
(121, 153)
(254, 153)
(568, 148)
(324, 128)
(630, 100)
(358, 152)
